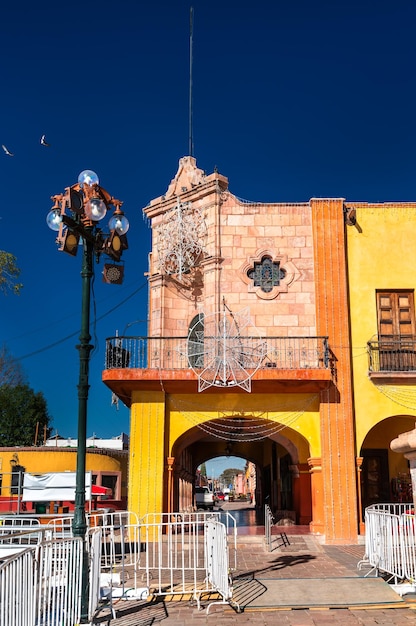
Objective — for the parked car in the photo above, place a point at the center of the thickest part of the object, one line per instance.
(218, 495)
(204, 498)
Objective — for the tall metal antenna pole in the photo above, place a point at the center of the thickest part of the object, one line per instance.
(191, 29)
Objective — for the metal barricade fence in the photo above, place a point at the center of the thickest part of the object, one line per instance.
(408, 542)
(59, 582)
(174, 558)
(390, 546)
(164, 554)
(42, 585)
(94, 542)
(118, 545)
(390, 540)
(372, 541)
(100, 519)
(10, 522)
(17, 533)
(112, 518)
(115, 543)
(268, 523)
(197, 519)
(217, 562)
(18, 590)
(382, 540)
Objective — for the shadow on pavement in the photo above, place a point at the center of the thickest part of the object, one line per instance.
(277, 564)
(130, 612)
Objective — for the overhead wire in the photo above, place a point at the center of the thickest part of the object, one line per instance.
(96, 319)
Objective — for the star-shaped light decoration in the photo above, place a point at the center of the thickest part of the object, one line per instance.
(225, 349)
(180, 239)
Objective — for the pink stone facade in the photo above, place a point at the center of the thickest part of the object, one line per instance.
(237, 234)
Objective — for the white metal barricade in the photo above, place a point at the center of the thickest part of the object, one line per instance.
(269, 522)
(94, 542)
(116, 545)
(408, 540)
(60, 527)
(42, 585)
(197, 520)
(217, 562)
(112, 518)
(18, 589)
(164, 554)
(17, 533)
(59, 582)
(390, 543)
(175, 557)
(8, 522)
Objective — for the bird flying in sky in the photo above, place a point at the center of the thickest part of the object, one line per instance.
(43, 141)
(7, 151)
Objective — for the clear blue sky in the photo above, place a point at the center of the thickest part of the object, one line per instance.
(215, 467)
(292, 100)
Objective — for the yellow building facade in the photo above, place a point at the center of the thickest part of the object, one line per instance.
(108, 469)
(381, 276)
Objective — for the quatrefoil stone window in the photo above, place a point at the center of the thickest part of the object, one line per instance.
(268, 275)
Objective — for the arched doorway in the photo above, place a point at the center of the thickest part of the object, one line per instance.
(282, 472)
(385, 475)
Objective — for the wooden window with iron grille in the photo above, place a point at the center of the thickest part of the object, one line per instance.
(396, 330)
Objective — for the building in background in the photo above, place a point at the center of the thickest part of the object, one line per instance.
(108, 467)
(121, 442)
(260, 316)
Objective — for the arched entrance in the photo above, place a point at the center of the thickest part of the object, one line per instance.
(385, 475)
(281, 464)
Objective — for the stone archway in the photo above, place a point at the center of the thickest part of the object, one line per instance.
(384, 473)
(282, 471)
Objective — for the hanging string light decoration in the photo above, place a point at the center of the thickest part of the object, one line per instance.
(401, 394)
(180, 239)
(241, 427)
(225, 349)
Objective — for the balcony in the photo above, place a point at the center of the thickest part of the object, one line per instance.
(393, 360)
(299, 364)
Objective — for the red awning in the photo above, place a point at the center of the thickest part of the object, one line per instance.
(96, 490)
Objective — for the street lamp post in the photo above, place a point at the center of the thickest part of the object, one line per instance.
(75, 216)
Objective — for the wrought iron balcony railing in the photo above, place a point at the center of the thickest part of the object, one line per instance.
(392, 355)
(172, 353)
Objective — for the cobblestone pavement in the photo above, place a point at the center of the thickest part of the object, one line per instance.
(305, 557)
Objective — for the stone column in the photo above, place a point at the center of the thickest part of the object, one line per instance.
(361, 524)
(302, 493)
(406, 445)
(339, 479)
(317, 524)
(147, 459)
(170, 462)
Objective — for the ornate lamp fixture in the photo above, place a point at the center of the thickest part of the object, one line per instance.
(75, 216)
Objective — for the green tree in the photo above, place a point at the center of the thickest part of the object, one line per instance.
(227, 477)
(9, 273)
(24, 418)
(203, 469)
(11, 371)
